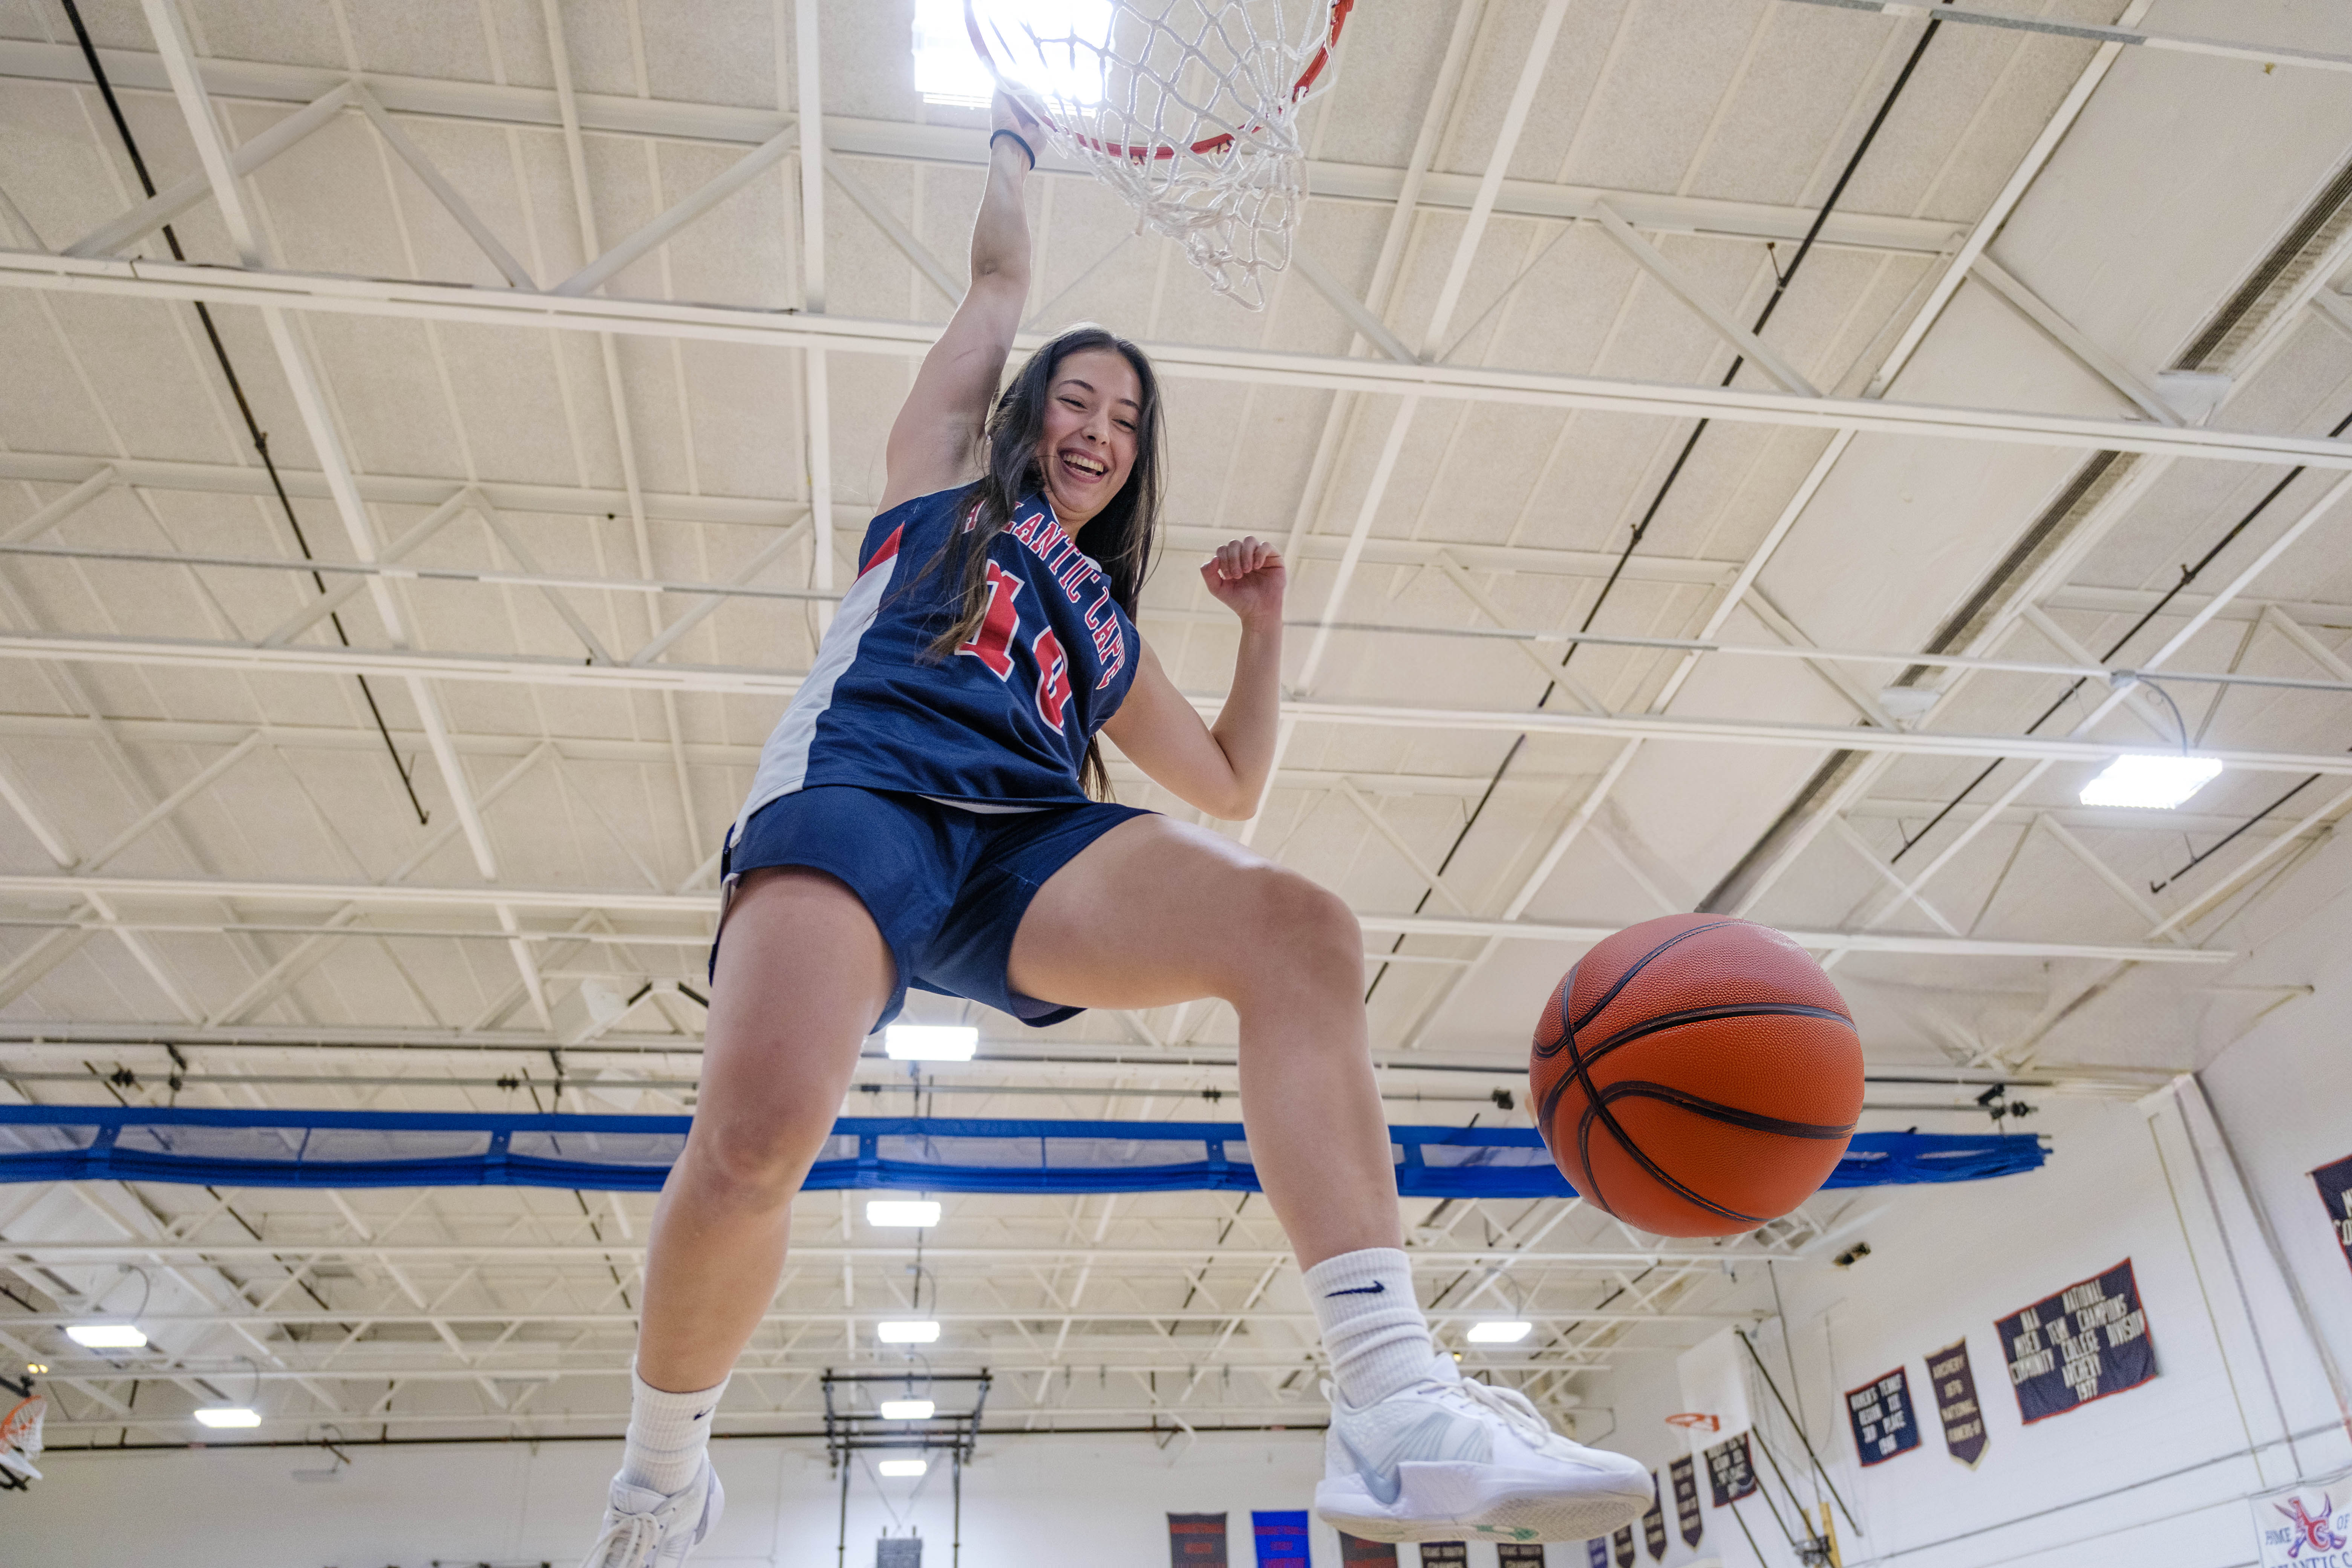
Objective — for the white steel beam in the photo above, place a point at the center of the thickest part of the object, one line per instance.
(166, 204)
(1956, 272)
(1557, 674)
(2028, 168)
(1758, 352)
(310, 400)
(980, 1258)
(869, 201)
(306, 954)
(456, 205)
(48, 516)
(2283, 623)
(548, 588)
(1374, 331)
(563, 670)
(660, 230)
(2075, 661)
(2071, 340)
(1041, 1314)
(2264, 55)
(19, 227)
(695, 613)
(29, 967)
(278, 290)
(748, 511)
(202, 780)
(816, 389)
(1403, 847)
(1888, 874)
(2114, 699)
(2131, 896)
(483, 103)
(1449, 298)
(702, 907)
(334, 598)
(2136, 702)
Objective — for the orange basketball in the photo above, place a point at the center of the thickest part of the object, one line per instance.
(1696, 1076)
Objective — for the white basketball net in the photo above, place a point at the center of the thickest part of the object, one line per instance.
(1187, 108)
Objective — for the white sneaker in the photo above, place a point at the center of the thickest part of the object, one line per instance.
(643, 1528)
(1449, 1458)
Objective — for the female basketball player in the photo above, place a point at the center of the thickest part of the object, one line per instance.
(920, 817)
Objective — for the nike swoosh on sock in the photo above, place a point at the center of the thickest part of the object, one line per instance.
(1374, 1288)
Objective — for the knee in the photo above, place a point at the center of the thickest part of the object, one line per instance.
(749, 1162)
(1299, 937)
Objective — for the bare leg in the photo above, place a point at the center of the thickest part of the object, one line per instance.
(803, 975)
(1155, 912)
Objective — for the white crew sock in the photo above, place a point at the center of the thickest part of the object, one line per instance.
(668, 1435)
(1373, 1325)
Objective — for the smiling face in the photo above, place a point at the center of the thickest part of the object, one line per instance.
(1092, 407)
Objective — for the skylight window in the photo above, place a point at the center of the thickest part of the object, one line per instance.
(948, 69)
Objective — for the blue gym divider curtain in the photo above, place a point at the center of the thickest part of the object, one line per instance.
(940, 1155)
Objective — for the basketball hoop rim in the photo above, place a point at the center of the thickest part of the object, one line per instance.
(1692, 1420)
(1299, 90)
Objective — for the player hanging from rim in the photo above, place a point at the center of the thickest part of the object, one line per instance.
(920, 817)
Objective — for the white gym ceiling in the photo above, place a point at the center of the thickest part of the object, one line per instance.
(2073, 317)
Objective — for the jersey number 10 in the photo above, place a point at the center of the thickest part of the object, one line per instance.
(992, 645)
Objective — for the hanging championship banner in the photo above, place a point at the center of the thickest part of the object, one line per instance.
(1444, 1554)
(1356, 1554)
(1954, 1383)
(2336, 1192)
(1281, 1537)
(1653, 1523)
(2309, 1526)
(1521, 1552)
(1596, 1552)
(1621, 1543)
(1881, 1416)
(2085, 1343)
(1684, 1474)
(1196, 1541)
(1730, 1471)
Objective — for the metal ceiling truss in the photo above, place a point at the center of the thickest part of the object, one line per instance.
(256, 82)
(421, 1315)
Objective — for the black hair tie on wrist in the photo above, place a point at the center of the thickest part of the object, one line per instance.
(1020, 141)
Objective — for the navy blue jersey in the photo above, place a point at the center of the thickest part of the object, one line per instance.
(1005, 719)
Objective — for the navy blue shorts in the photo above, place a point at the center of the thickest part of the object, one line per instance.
(946, 887)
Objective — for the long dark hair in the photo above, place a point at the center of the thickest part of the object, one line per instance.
(1121, 536)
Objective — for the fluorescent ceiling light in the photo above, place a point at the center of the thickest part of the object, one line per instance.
(1498, 1333)
(228, 1415)
(908, 1409)
(902, 1467)
(107, 1336)
(907, 1332)
(948, 69)
(2157, 782)
(930, 1042)
(903, 1213)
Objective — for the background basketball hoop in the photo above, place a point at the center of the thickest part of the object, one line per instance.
(1693, 1421)
(1187, 108)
